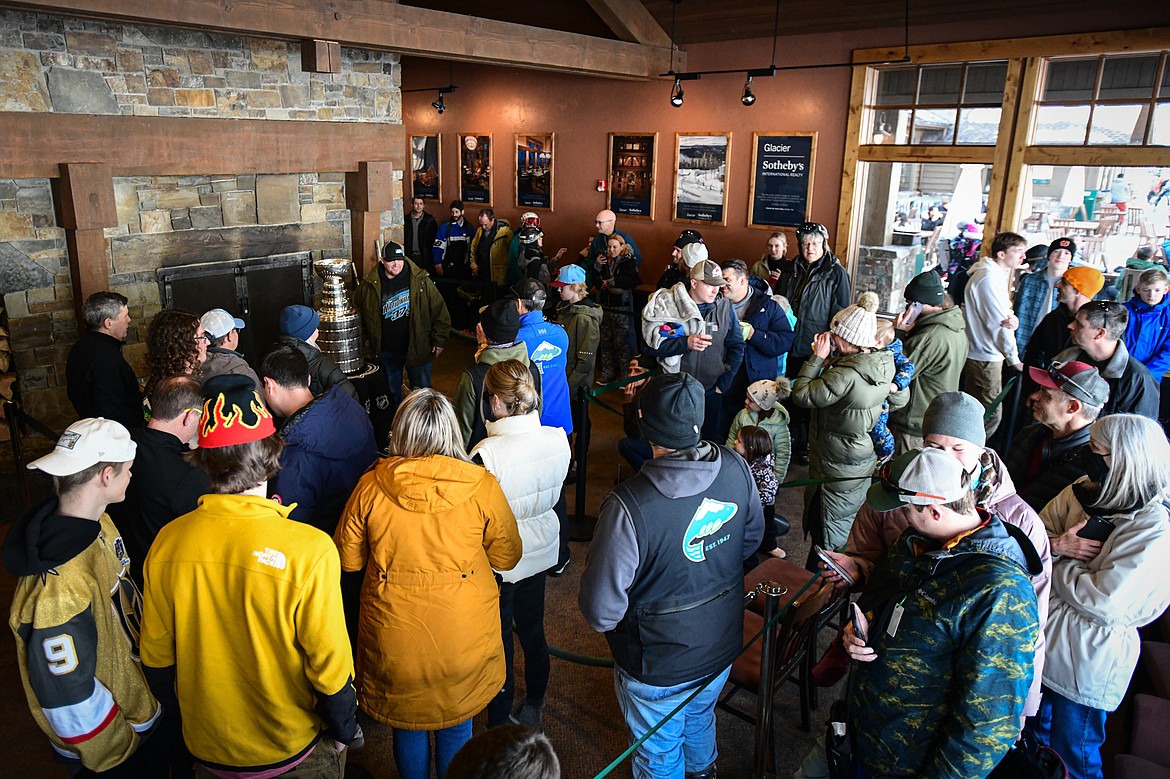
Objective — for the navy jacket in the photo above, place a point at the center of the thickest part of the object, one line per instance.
(772, 337)
(329, 444)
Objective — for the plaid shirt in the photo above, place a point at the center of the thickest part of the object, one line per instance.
(1030, 305)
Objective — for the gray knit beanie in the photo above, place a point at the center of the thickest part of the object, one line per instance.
(956, 414)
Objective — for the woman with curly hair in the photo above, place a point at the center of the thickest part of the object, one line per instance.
(175, 345)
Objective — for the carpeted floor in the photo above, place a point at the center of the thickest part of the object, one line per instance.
(581, 716)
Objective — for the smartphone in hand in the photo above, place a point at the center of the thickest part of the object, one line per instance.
(833, 565)
(860, 624)
(912, 311)
(1097, 529)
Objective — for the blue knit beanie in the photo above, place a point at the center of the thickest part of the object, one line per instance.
(299, 322)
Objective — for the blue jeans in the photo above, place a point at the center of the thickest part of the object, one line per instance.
(412, 749)
(394, 363)
(685, 744)
(1074, 730)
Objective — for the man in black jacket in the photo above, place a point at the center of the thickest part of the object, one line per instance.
(418, 234)
(1098, 336)
(164, 485)
(1049, 455)
(99, 381)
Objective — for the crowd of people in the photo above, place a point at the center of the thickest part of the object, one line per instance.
(271, 572)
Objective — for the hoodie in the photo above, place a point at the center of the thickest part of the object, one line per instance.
(664, 576)
(328, 446)
(75, 617)
(986, 303)
(938, 348)
(1147, 336)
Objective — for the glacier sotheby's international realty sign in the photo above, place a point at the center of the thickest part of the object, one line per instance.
(782, 176)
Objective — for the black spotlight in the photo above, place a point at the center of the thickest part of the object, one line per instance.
(748, 97)
(676, 94)
(439, 105)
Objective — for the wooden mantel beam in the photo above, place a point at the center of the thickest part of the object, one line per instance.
(386, 26)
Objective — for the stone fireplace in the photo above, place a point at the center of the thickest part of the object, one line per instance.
(54, 65)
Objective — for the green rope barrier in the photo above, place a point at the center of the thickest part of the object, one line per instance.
(604, 405)
(706, 683)
(999, 399)
(579, 659)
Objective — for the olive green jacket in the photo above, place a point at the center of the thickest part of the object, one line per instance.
(938, 348)
(430, 324)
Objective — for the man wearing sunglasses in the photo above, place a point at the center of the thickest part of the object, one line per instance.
(946, 640)
(1098, 336)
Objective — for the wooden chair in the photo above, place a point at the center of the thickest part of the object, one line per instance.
(1107, 226)
(795, 635)
(1092, 248)
(1133, 219)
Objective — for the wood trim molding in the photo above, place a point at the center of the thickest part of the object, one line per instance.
(1118, 156)
(848, 218)
(908, 153)
(1090, 43)
(387, 26)
(36, 144)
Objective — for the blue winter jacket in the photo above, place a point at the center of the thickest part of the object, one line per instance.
(328, 446)
(548, 346)
(1148, 335)
(772, 337)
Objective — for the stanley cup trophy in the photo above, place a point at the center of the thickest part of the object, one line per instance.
(340, 331)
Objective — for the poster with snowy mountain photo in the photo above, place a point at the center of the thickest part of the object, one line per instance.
(700, 177)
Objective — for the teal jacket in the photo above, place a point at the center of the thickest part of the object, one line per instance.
(944, 697)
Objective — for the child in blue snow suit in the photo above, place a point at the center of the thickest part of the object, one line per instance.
(883, 439)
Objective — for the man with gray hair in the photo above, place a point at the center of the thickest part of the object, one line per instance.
(99, 381)
(1098, 336)
(1052, 453)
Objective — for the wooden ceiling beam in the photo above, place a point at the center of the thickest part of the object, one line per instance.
(386, 26)
(631, 22)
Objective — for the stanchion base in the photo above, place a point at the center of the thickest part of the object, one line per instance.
(581, 527)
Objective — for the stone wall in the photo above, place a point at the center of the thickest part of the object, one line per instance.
(886, 270)
(79, 66)
(52, 64)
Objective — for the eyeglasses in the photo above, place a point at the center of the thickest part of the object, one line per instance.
(888, 483)
(198, 411)
(203, 337)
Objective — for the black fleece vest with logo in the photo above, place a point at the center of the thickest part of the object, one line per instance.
(685, 615)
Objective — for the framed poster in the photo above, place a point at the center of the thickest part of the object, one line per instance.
(424, 167)
(782, 179)
(534, 170)
(700, 177)
(475, 168)
(633, 166)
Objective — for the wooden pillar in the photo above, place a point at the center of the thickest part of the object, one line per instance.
(368, 193)
(84, 196)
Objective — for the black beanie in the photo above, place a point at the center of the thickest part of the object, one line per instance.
(925, 288)
(670, 410)
(501, 321)
(1063, 243)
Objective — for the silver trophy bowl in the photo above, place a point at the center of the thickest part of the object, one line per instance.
(340, 334)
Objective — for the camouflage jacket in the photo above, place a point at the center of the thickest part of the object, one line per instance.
(955, 628)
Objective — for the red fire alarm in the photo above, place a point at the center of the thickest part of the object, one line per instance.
(601, 185)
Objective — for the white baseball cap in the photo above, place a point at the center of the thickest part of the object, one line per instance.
(218, 323)
(86, 443)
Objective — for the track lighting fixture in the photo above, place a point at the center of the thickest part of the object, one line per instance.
(439, 105)
(748, 97)
(676, 94)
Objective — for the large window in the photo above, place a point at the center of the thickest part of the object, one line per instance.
(947, 104)
(1113, 100)
(1037, 135)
